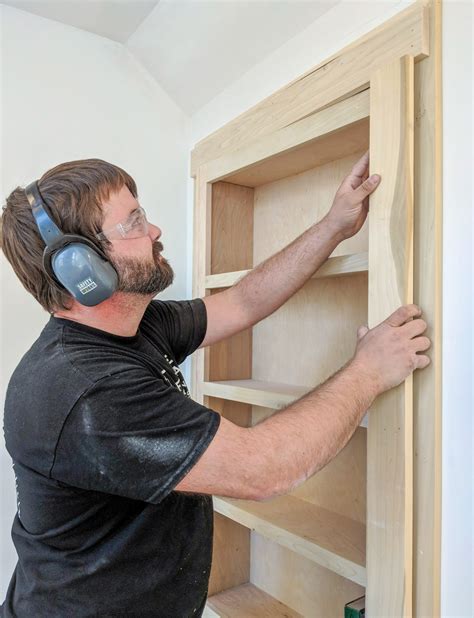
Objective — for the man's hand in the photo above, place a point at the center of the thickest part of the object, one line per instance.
(351, 202)
(389, 352)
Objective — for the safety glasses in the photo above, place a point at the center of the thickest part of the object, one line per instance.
(135, 226)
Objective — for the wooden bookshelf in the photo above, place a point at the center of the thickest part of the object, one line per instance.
(261, 181)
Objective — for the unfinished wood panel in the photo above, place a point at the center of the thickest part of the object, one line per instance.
(286, 208)
(237, 413)
(248, 601)
(327, 148)
(201, 267)
(428, 295)
(390, 432)
(338, 77)
(333, 267)
(266, 395)
(255, 392)
(329, 134)
(232, 227)
(227, 244)
(230, 555)
(331, 540)
(231, 358)
(307, 587)
(313, 334)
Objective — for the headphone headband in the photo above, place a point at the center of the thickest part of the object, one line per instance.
(47, 228)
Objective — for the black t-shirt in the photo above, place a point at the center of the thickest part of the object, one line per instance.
(101, 428)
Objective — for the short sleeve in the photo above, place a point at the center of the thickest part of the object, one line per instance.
(132, 435)
(184, 323)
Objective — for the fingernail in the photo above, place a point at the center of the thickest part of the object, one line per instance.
(375, 178)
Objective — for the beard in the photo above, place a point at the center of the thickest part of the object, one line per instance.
(140, 277)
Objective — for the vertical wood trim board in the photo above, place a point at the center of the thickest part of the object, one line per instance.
(428, 266)
(390, 430)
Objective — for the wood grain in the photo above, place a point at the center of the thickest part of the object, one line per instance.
(329, 134)
(309, 588)
(247, 601)
(333, 267)
(331, 540)
(390, 431)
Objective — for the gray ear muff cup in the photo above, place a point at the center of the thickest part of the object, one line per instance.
(80, 267)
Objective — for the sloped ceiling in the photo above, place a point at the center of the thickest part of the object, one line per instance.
(113, 19)
(193, 48)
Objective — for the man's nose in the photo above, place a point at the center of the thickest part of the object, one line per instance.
(154, 231)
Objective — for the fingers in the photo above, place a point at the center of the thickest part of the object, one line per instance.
(414, 328)
(360, 167)
(402, 315)
(422, 361)
(421, 344)
(366, 188)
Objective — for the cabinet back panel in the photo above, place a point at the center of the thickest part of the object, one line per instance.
(284, 209)
(298, 582)
(313, 334)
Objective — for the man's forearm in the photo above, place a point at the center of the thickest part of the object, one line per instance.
(274, 281)
(296, 442)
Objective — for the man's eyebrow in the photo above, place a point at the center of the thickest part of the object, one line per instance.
(134, 210)
(136, 207)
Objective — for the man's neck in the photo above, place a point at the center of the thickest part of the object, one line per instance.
(119, 315)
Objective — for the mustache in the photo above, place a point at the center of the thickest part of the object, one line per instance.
(158, 246)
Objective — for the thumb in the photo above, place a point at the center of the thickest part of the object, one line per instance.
(361, 331)
(366, 188)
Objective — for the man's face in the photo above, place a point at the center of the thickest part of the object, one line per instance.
(140, 266)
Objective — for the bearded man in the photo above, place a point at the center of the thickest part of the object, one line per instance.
(115, 464)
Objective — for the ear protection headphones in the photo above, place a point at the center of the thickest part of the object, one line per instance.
(72, 261)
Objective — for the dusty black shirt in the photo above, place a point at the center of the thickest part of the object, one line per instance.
(100, 429)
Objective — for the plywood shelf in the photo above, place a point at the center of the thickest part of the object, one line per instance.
(258, 393)
(246, 601)
(255, 392)
(333, 267)
(331, 540)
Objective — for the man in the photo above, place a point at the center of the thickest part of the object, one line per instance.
(115, 464)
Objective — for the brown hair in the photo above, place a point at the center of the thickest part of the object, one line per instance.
(73, 193)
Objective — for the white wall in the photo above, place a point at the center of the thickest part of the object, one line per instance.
(457, 572)
(68, 94)
(338, 27)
